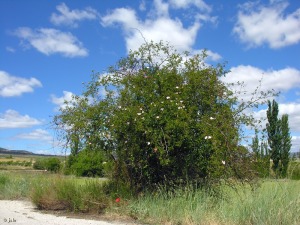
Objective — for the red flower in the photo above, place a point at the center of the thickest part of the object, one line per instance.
(118, 199)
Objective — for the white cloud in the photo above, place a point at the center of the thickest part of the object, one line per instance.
(142, 5)
(61, 101)
(279, 80)
(188, 3)
(11, 86)
(10, 49)
(295, 144)
(72, 17)
(258, 25)
(292, 109)
(158, 26)
(50, 41)
(38, 134)
(12, 119)
(162, 28)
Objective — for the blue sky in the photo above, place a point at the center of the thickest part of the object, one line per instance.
(49, 48)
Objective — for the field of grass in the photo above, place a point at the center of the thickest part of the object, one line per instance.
(273, 202)
(270, 202)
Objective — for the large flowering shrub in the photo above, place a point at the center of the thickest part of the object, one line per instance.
(165, 118)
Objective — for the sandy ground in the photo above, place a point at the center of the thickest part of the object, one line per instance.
(23, 212)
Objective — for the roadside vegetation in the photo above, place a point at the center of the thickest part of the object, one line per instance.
(270, 201)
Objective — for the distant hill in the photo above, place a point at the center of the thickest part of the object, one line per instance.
(15, 152)
(19, 152)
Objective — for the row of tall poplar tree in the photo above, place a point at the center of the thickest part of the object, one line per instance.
(278, 145)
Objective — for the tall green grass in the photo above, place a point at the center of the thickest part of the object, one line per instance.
(59, 193)
(14, 186)
(275, 202)
(271, 202)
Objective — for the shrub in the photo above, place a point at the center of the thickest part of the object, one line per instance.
(51, 164)
(167, 119)
(86, 163)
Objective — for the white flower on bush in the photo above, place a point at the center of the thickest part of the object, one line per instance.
(207, 137)
(157, 117)
(223, 162)
(168, 97)
(211, 118)
(148, 143)
(139, 114)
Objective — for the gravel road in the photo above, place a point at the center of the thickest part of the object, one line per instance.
(24, 213)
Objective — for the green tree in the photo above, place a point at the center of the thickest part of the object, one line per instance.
(261, 156)
(274, 135)
(165, 118)
(285, 144)
(256, 148)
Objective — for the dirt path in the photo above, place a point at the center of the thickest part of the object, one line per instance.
(24, 213)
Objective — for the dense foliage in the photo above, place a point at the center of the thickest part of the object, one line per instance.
(51, 164)
(86, 164)
(163, 118)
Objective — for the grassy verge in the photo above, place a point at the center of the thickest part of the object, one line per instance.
(273, 202)
(14, 185)
(59, 193)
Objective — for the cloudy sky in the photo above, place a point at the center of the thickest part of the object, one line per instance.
(49, 48)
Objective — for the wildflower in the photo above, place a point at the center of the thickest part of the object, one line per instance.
(162, 109)
(128, 123)
(118, 200)
(119, 107)
(179, 107)
(223, 162)
(141, 109)
(139, 114)
(104, 163)
(207, 137)
(148, 143)
(168, 97)
(181, 101)
(211, 118)
(177, 87)
(157, 117)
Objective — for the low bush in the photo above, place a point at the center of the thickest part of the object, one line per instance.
(51, 164)
(86, 163)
